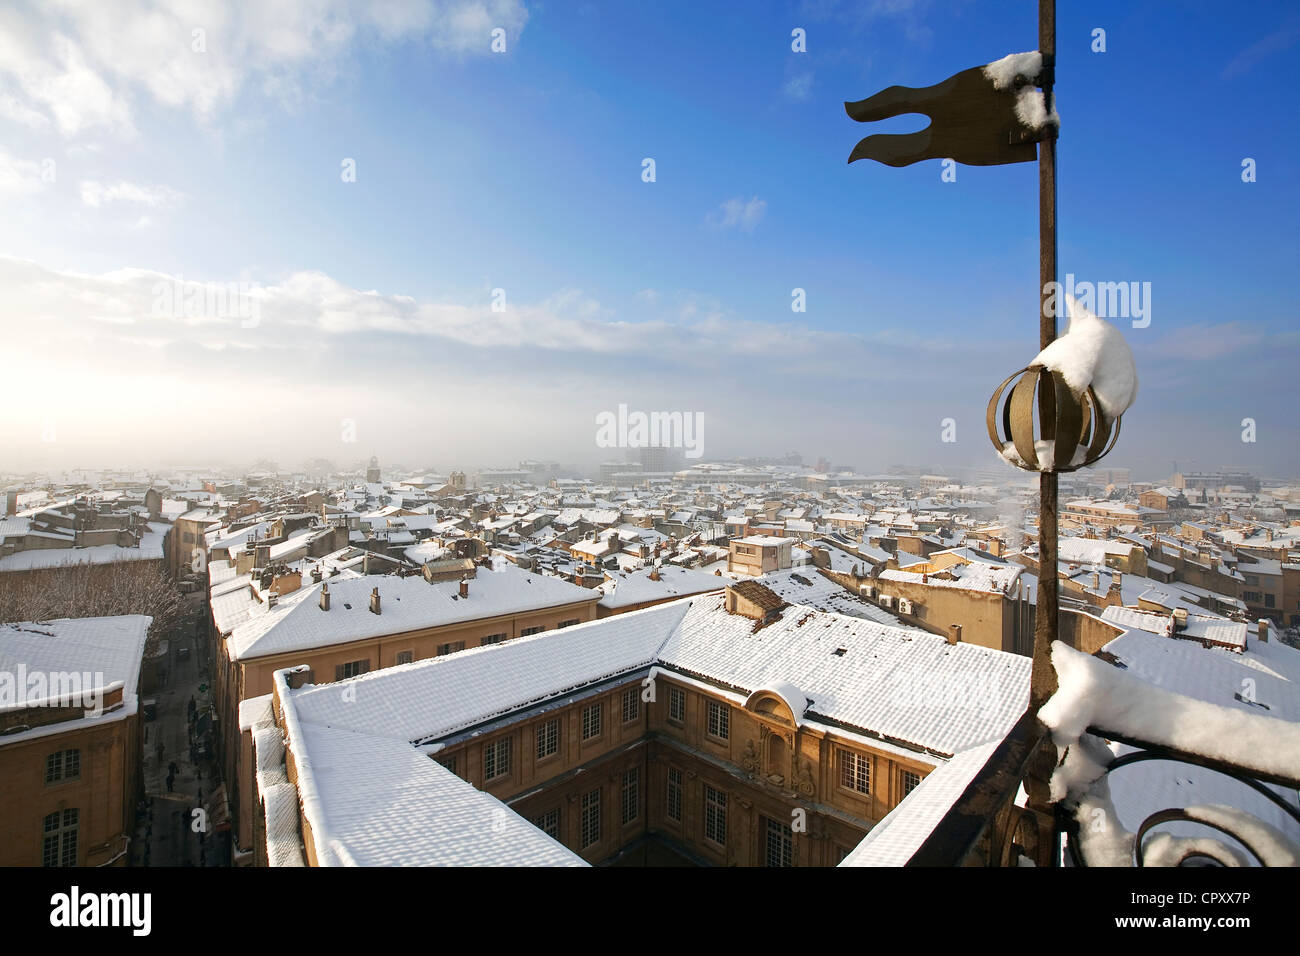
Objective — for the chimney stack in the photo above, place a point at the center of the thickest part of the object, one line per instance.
(464, 587)
(324, 597)
(1096, 580)
(654, 574)
(1261, 629)
(954, 633)
(374, 601)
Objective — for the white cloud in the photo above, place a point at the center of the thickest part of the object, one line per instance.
(97, 194)
(18, 177)
(739, 214)
(798, 87)
(87, 66)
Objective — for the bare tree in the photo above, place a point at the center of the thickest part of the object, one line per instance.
(100, 590)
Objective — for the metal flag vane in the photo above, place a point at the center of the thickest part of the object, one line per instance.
(983, 116)
(988, 116)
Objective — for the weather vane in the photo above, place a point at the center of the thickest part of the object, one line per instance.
(1005, 112)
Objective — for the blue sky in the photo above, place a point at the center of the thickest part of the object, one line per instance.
(522, 171)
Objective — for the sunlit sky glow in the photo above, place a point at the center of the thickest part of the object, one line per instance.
(129, 160)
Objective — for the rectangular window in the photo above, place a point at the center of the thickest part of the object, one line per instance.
(496, 759)
(673, 805)
(744, 549)
(631, 795)
(779, 850)
(676, 705)
(910, 781)
(549, 823)
(855, 771)
(351, 669)
(591, 721)
(531, 630)
(715, 815)
(569, 623)
(63, 765)
(719, 720)
(631, 704)
(405, 657)
(450, 648)
(449, 763)
(493, 639)
(60, 839)
(548, 738)
(591, 818)
(1268, 600)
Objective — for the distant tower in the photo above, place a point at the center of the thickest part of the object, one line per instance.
(458, 480)
(372, 472)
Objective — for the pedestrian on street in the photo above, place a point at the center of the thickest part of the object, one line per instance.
(171, 779)
(172, 769)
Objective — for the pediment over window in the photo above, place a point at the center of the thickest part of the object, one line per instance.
(780, 700)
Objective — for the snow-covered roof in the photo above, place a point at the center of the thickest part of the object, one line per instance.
(636, 587)
(975, 576)
(296, 622)
(808, 587)
(105, 653)
(367, 783)
(150, 549)
(904, 685)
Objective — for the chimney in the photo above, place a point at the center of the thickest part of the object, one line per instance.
(298, 677)
(954, 633)
(11, 503)
(316, 574)
(271, 597)
(324, 597)
(1179, 619)
(464, 587)
(374, 601)
(995, 547)
(1096, 580)
(654, 574)
(1261, 629)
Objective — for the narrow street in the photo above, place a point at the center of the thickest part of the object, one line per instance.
(168, 830)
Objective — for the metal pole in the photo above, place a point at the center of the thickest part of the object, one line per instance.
(1043, 680)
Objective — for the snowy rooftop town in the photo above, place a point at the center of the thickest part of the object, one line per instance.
(731, 663)
(818, 434)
